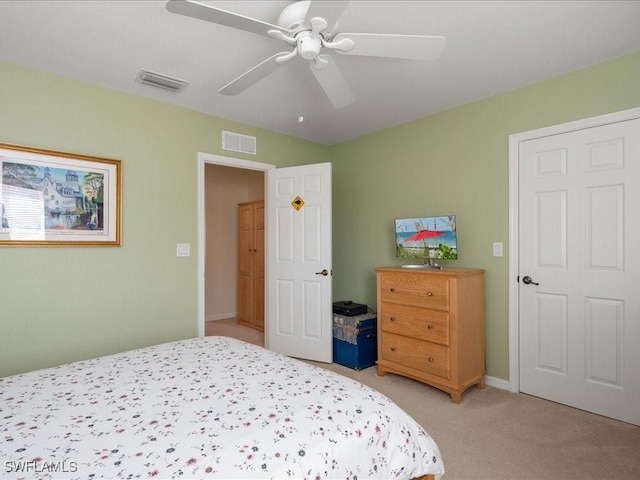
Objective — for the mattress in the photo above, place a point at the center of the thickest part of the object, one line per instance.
(212, 407)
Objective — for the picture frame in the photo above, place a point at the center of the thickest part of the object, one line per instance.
(52, 198)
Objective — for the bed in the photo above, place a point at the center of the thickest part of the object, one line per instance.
(212, 407)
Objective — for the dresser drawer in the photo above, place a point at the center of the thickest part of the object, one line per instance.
(415, 322)
(415, 289)
(423, 356)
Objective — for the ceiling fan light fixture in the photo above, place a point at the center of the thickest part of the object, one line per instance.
(309, 47)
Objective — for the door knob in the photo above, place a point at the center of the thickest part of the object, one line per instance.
(324, 272)
(527, 280)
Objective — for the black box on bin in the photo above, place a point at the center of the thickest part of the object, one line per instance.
(355, 340)
(349, 308)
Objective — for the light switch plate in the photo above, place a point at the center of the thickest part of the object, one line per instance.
(497, 249)
(183, 249)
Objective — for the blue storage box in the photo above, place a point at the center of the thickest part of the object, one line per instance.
(355, 340)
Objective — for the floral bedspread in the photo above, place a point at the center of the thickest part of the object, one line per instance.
(211, 407)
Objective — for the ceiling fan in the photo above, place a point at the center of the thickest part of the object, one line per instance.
(311, 30)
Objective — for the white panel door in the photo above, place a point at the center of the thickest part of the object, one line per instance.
(299, 283)
(579, 269)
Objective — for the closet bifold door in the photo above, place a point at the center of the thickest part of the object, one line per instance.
(251, 264)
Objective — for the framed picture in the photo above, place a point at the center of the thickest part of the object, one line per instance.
(51, 198)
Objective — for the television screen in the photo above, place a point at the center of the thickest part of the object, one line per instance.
(426, 238)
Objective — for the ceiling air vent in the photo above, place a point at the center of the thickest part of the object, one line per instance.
(238, 143)
(161, 81)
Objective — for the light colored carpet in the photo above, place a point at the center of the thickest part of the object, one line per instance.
(229, 328)
(495, 434)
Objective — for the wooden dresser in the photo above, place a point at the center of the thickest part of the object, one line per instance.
(431, 326)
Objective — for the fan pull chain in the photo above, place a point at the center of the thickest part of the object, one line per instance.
(300, 117)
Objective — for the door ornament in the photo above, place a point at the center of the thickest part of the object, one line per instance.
(297, 202)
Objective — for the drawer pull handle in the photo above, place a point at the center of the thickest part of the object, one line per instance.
(429, 294)
(392, 289)
(430, 326)
(393, 349)
(431, 359)
(393, 319)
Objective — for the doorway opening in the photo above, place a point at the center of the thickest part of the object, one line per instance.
(221, 181)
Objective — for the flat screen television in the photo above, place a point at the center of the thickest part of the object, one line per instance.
(426, 239)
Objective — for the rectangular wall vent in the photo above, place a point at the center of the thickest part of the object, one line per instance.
(161, 81)
(238, 143)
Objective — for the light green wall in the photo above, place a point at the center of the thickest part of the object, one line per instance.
(63, 304)
(456, 162)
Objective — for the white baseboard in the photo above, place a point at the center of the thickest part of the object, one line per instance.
(497, 382)
(220, 316)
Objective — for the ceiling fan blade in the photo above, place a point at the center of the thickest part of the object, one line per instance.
(410, 47)
(208, 13)
(333, 83)
(252, 76)
(329, 11)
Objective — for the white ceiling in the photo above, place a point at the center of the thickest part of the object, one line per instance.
(492, 47)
